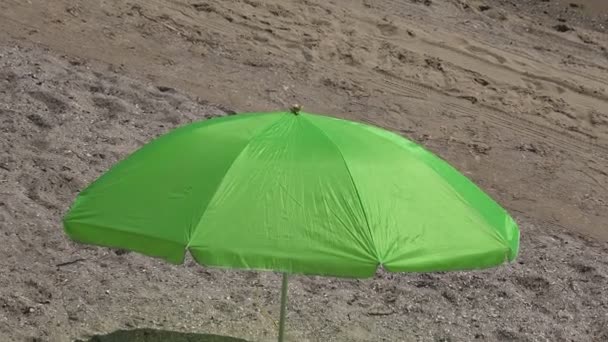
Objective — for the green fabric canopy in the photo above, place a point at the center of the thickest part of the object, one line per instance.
(296, 193)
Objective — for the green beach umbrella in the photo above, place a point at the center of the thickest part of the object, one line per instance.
(297, 193)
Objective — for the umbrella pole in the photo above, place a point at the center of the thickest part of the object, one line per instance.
(283, 307)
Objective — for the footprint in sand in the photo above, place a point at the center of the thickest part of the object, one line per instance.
(54, 105)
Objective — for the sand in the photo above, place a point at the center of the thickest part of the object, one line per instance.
(514, 97)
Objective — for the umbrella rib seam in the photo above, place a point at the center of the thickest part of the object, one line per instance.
(350, 175)
(219, 184)
(496, 235)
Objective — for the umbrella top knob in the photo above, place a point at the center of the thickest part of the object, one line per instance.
(295, 109)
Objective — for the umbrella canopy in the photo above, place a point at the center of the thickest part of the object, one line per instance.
(296, 193)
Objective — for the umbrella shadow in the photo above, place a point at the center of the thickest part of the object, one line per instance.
(153, 335)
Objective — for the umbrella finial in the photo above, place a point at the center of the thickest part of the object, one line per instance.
(295, 109)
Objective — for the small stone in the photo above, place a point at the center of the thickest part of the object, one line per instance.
(562, 28)
(165, 89)
(565, 315)
(481, 81)
(480, 147)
